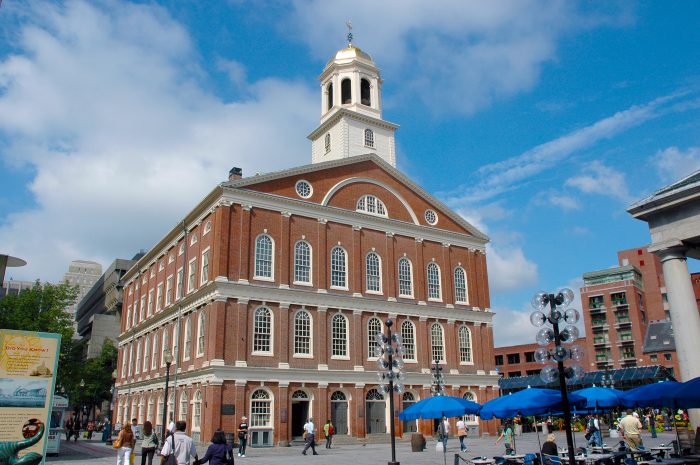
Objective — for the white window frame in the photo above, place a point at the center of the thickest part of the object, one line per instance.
(127, 325)
(197, 411)
(187, 348)
(171, 258)
(131, 358)
(370, 204)
(374, 325)
(181, 250)
(270, 334)
(193, 239)
(165, 343)
(154, 352)
(464, 288)
(409, 340)
(142, 312)
(184, 406)
(137, 360)
(439, 282)
(207, 228)
(369, 138)
(124, 354)
(147, 353)
(159, 297)
(410, 277)
(192, 276)
(378, 276)
(298, 266)
(465, 343)
(344, 270)
(161, 265)
(263, 410)
(261, 261)
(180, 283)
(204, 277)
(327, 142)
(434, 347)
(149, 411)
(149, 311)
(135, 315)
(201, 333)
(176, 341)
(345, 342)
(168, 290)
(297, 336)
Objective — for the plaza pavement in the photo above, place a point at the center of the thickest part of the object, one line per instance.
(94, 452)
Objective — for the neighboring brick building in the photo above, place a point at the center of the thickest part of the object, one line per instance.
(271, 290)
(627, 315)
(519, 360)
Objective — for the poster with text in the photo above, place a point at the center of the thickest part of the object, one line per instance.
(28, 364)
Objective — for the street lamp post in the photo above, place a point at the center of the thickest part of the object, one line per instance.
(389, 353)
(555, 305)
(111, 402)
(168, 358)
(437, 387)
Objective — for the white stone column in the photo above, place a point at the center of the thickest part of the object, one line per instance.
(684, 314)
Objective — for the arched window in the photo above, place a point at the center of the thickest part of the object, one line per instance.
(159, 411)
(188, 338)
(465, 345)
(200, 333)
(437, 346)
(434, 292)
(193, 241)
(262, 330)
(373, 394)
(147, 354)
(302, 262)
(372, 205)
(328, 142)
(166, 345)
(374, 326)
(134, 407)
(408, 335)
(369, 138)
(302, 333)
(182, 413)
(171, 406)
(365, 94)
(373, 272)
(181, 250)
(339, 336)
(176, 342)
(339, 276)
(346, 91)
(472, 397)
(329, 89)
(207, 228)
(263, 256)
(408, 397)
(461, 296)
(405, 278)
(300, 395)
(142, 409)
(154, 354)
(149, 412)
(260, 409)
(137, 362)
(197, 410)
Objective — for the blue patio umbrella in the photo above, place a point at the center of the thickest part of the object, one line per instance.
(528, 402)
(438, 407)
(598, 399)
(684, 395)
(650, 395)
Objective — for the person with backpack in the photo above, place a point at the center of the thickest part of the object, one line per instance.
(329, 431)
(219, 452)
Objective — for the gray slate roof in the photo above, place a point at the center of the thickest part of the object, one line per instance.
(659, 337)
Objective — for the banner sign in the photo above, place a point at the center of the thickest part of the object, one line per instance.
(28, 364)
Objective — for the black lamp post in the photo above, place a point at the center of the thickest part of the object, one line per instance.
(437, 387)
(168, 358)
(111, 402)
(555, 305)
(388, 352)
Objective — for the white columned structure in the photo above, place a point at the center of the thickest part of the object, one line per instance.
(673, 215)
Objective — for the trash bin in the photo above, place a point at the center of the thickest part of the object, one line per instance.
(417, 442)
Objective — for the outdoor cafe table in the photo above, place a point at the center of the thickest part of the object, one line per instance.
(662, 449)
(514, 456)
(601, 450)
(664, 462)
(483, 461)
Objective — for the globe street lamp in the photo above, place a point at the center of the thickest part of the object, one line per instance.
(389, 351)
(437, 386)
(168, 358)
(556, 308)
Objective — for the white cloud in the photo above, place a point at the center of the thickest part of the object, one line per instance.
(470, 53)
(104, 103)
(509, 269)
(674, 164)
(557, 199)
(601, 180)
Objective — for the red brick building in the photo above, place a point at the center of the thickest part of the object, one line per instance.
(270, 291)
(519, 360)
(626, 314)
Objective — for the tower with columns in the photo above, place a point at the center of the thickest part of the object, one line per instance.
(271, 290)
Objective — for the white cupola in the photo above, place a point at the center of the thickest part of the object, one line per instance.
(351, 110)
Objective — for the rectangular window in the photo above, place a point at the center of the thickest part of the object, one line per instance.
(668, 357)
(513, 358)
(176, 341)
(192, 275)
(154, 353)
(529, 357)
(146, 354)
(168, 290)
(123, 363)
(150, 302)
(131, 358)
(137, 362)
(159, 297)
(205, 267)
(499, 360)
(128, 317)
(654, 358)
(513, 374)
(178, 286)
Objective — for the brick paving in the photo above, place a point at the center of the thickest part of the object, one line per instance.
(95, 452)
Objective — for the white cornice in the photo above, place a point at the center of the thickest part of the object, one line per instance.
(345, 113)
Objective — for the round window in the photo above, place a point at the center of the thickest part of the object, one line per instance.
(431, 217)
(304, 189)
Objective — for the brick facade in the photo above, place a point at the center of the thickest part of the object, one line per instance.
(279, 386)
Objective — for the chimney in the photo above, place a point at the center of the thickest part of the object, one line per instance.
(235, 174)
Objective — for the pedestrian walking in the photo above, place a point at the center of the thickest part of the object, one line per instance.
(462, 433)
(90, 429)
(180, 445)
(310, 437)
(631, 426)
(445, 433)
(218, 453)
(242, 435)
(135, 428)
(329, 431)
(124, 444)
(69, 427)
(507, 435)
(652, 423)
(149, 443)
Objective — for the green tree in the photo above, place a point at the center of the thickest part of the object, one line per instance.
(96, 374)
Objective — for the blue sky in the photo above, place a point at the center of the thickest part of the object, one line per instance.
(540, 122)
